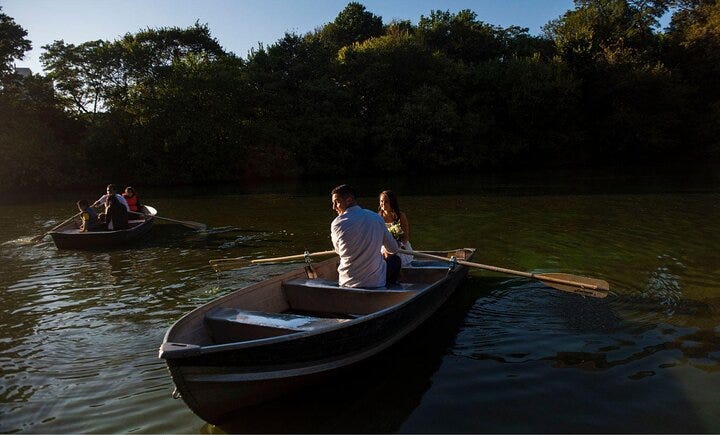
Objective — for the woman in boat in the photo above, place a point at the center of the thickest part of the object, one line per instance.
(132, 200)
(397, 222)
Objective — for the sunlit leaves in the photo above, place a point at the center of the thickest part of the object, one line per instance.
(13, 43)
(356, 97)
(353, 24)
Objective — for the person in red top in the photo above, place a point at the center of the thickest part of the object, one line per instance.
(132, 200)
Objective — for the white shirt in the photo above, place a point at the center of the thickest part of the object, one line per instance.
(357, 235)
(102, 199)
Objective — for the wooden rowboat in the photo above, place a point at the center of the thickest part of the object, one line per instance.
(260, 342)
(69, 236)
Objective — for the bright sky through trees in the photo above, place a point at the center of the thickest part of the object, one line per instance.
(240, 25)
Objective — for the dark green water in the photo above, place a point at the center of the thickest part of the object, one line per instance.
(79, 331)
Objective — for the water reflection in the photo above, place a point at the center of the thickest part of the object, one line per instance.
(80, 330)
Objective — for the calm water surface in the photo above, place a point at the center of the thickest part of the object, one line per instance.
(79, 331)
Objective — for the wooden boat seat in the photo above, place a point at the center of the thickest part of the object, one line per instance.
(227, 325)
(323, 296)
(325, 283)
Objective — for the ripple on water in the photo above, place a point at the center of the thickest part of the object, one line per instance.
(78, 350)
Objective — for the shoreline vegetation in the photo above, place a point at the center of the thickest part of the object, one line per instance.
(603, 86)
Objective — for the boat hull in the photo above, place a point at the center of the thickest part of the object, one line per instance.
(214, 381)
(70, 237)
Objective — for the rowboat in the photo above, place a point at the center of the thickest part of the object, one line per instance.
(273, 337)
(69, 236)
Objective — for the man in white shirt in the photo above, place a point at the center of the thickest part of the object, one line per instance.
(358, 235)
(111, 191)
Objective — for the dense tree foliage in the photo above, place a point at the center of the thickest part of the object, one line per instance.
(13, 44)
(603, 84)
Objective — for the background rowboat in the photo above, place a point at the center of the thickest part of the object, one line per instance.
(70, 237)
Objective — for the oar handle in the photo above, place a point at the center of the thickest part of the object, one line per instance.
(219, 261)
(292, 257)
(189, 224)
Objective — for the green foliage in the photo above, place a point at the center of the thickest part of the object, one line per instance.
(13, 44)
(598, 29)
(353, 24)
(38, 142)
(694, 54)
(356, 97)
(461, 36)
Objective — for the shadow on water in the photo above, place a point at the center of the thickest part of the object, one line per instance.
(375, 396)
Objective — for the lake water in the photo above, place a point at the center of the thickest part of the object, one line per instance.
(80, 331)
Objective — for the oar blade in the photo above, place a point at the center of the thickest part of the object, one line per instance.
(596, 288)
(36, 239)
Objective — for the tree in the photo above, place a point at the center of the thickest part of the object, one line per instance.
(353, 24)
(598, 30)
(99, 75)
(13, 44)
(39, 144)
(81, 74)
(694, 54)
(695, 36)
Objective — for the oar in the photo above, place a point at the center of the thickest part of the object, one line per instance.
(585, 286)
(189, 224)
(233, 263)
(42, 236)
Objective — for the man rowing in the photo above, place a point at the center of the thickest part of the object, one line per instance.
(110, 191)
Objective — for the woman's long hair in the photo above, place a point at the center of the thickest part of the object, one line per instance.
(392, 199)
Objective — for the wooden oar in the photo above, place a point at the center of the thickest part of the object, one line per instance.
(189, 224)
(585, 286)
(42, 236)
(220, 264)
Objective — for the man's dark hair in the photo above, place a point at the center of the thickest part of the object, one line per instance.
(111, 187)
(343, 191)
(82, 203)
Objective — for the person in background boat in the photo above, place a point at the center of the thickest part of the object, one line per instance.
(89, 217)
(116, 215)
(358, 236)
(132, 201)
(397, 223)
(110, 190)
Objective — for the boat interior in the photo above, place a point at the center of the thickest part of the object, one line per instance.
(74, 227)
(306, 300)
